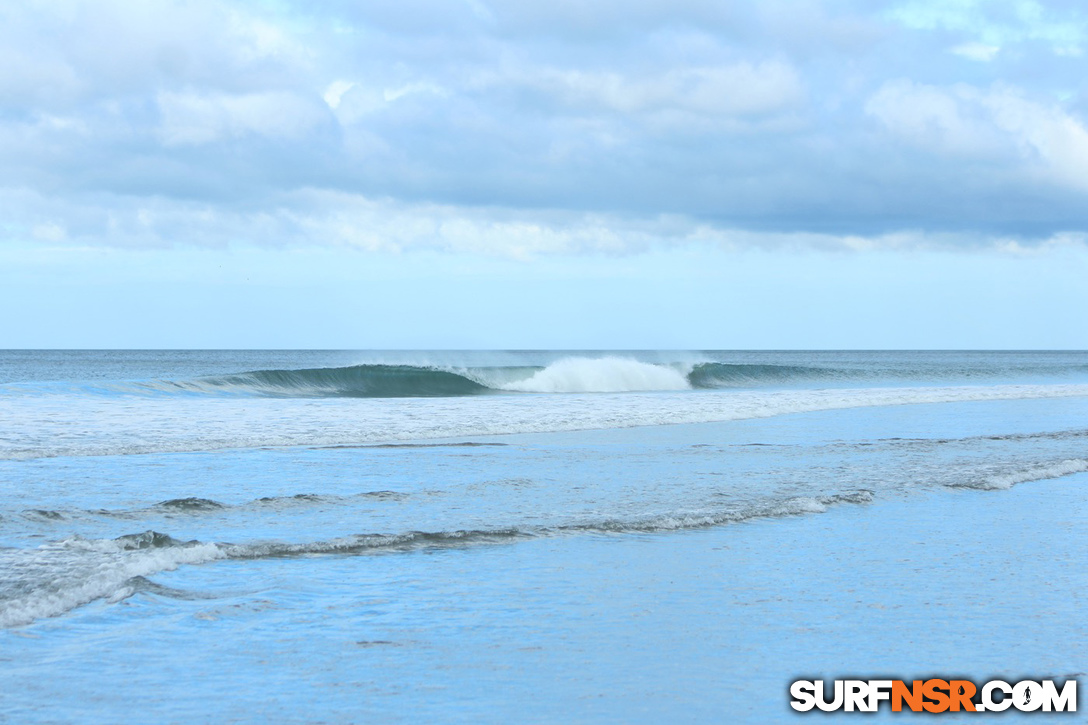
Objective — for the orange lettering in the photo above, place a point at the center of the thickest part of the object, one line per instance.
(961, 692)
(938, 700)
(901, 693)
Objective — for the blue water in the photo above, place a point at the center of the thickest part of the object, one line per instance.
(191, 536)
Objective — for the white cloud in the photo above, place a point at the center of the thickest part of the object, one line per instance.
(394, 94)
(1045, 133)
(977, 51)
(335, 92)
(49, 232)
(57, 55)
(996, 22)
(964, 120)
(945, 120)
(194, 119)
(735, 89)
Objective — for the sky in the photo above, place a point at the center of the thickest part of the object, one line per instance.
(512, 174)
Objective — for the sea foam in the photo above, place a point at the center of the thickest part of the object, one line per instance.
(601, 375)
(88, 426)
(1034, 473)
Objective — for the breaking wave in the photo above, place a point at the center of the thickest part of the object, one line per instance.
(358, 381)
(609, 374)
(597, 373)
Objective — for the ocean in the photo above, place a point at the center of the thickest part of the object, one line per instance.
(540, 536)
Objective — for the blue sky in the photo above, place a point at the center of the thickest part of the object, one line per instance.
(687, 174)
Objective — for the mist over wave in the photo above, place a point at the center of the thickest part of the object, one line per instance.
(605, 375)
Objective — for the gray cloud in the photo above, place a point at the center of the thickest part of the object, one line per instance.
(522, 127)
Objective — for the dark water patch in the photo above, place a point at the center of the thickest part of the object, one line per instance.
(139, 584)
(44, 515)
(303, 499)
(1043, 435)
(368, 543)
(151, 540)
(860, 496)
(190, 504)
(513, 482)
(296, 498)
(113, 514)
(384, 495)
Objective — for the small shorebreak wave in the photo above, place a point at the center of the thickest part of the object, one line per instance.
(58, 577)
(1041, 472)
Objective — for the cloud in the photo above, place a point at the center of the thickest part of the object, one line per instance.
(335, 93)
(952, 121)
(735, 89)
(57, 56)
(317, 218)
(997, 22)
(49, 232)
(977, 51)
(542, 127)
(189, 118)
(1045, 142)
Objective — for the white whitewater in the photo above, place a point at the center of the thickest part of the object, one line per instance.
(601, 375)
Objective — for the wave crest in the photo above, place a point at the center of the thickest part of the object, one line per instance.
(601, 375)
(609, 374)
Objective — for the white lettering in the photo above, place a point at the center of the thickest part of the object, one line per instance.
(804, 695)
(878, 690)
(857, 695)
(987, 695)
(1027, 696)
(822, 703)
(1065, 701)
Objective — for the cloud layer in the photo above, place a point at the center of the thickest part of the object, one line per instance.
(520, 127)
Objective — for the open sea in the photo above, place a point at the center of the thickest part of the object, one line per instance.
(531, 536)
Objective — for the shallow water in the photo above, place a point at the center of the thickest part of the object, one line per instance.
(204, 554)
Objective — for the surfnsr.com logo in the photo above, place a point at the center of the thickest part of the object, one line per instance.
(934, 695)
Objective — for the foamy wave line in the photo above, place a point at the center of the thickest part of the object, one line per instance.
(105, 426)
(75, 572)
(71, 573)
(1005, 481)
